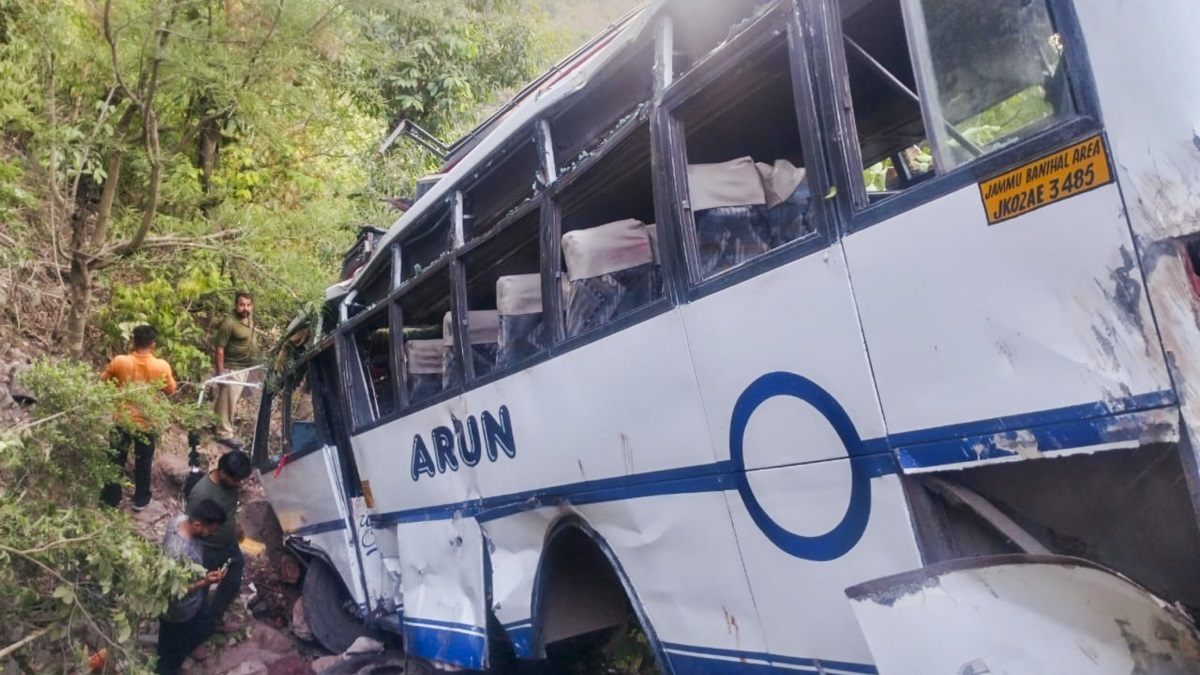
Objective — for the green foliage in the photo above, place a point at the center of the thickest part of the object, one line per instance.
(78, 572)
(172, 306)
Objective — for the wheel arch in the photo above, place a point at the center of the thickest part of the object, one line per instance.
(565, 534)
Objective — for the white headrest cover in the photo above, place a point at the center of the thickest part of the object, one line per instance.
(483, 324)
(606, 249)
(519, 294)
(735, 183)
(424, 357)
(780, 181)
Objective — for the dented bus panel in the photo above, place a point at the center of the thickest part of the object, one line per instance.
(772, 331)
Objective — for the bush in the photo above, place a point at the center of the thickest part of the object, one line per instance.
(76, 577)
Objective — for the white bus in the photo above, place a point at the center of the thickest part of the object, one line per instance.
(817, 336)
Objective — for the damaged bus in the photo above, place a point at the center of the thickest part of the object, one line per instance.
(817, 336)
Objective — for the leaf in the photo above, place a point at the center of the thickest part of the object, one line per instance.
(65, 593)
(832, 193)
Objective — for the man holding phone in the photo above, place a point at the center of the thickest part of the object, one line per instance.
(187, 624)
(221, 548)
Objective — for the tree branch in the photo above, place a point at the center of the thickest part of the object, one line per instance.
(111, 39)
(23, 641)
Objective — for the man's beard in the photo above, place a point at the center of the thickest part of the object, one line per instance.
(242, 314)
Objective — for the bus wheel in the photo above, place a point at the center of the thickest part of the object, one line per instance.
(329, 609)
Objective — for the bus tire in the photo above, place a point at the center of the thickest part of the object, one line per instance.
(326, 608)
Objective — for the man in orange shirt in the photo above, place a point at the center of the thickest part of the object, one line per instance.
(139, 366)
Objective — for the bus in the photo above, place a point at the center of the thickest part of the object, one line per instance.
(790, 336)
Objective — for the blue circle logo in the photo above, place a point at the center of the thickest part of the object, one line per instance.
(846, 534)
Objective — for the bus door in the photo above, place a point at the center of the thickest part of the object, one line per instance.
(311, 483)
(991, 259)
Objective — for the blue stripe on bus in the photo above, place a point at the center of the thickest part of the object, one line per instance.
(1052, 431)
(1158, 399)
(1056, 430)
(688, 660)
(457, 644)
(317, 528)
(521, 635)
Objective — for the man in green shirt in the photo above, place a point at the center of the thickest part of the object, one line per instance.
(221, 547)
(236, 349)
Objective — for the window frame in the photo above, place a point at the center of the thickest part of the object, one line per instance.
(822, 19)
(750, 43)
(354, 378)
(552, 270)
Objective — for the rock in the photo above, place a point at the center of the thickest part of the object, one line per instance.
(258, 519)
(269, 639)
(290, 665)
(232, 660)
(299, 623)
(252, 667)
(171, 469)
(325, 663)
(365, 645)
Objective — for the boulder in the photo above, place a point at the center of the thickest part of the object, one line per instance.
(365, 645)
(299, 623)
(325, 663)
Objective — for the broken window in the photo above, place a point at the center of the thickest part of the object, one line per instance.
(300, 432)
(615, 95)
(374, 290)
(607, 213)
(747, 185)
(701, 26)
(371, 340)
(991, 74)
(887, 110)
(506, 184)
(425, 243)
(504, 295)
(423, 311)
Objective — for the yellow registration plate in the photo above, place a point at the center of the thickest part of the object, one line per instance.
(1053, 178)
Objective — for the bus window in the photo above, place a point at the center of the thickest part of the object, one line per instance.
(747, 185)
(373, 291)
(300, 421)
(505, 186)
(430, 241)
(991, 74)
(607, 251)
(701, 26)
(504, 293)
(585, 124)
(372, 345)
(423, 310)
(887, 111)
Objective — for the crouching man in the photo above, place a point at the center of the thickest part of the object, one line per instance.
(221, 548)
(187, 622)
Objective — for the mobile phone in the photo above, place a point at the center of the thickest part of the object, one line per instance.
(225, 567)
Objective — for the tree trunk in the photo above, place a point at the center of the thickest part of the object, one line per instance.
(79, 277)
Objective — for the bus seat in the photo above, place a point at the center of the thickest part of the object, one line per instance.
(484, 327)
(422, 369)
(745, 209)
(519, 302)
(610, 270)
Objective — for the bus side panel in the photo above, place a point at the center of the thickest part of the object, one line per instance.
(797, 319)
(623, 407)
(442, 576)
(1042, 316)
(677, 552)
(1146, 65)
(802, 602)
(309, 506)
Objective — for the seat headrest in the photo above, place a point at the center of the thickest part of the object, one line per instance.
(735, 183)
(484, 326)
(519, 294)
(606, 249)
(423, 357)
